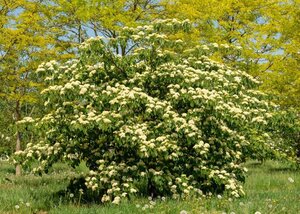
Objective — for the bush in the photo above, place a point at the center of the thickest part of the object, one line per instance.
(285, 128)
(162, 119)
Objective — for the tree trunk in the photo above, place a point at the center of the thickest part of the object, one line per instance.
(18, 142)
(298, 149)
(18, 148)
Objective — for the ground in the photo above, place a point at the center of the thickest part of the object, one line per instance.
(271, 187)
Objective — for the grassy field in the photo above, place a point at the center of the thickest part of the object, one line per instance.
(270, 188)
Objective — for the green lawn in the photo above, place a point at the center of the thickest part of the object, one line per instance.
(270, 188)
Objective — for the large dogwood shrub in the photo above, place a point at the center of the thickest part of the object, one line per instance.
(160, 118)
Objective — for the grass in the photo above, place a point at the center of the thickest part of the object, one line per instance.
(269, 189)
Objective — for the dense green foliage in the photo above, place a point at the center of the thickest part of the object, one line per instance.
(163, 120)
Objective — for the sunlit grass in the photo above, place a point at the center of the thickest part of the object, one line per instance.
(270, 188)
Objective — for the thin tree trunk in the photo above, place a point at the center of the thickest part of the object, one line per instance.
(18, 142)
(298, 148)
(18, 148)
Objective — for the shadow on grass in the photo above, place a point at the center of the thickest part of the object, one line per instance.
(283, 169)
(272, 166)
(77, 192)
(255, 164)
(6, 168)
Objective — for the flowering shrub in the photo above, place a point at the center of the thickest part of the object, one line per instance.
(160, 119)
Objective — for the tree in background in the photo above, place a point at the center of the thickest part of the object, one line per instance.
(267, 31)
(25, 42)
(80, 20)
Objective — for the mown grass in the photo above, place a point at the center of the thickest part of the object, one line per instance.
(269, 189)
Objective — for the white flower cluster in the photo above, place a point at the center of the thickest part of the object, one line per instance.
(86, 44)
(26, 120)
(4, 137)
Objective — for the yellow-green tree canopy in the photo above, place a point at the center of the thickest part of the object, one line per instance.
(267, 31)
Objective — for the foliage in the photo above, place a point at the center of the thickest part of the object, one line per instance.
(286, 127)
(75, 21)
(161, 120)
(268, 33)
(35, 31)
(5, 137)
(24, 43)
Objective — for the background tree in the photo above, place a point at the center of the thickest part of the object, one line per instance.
(78, 20)
(268, 33)
(24, 43)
